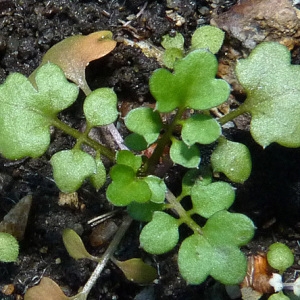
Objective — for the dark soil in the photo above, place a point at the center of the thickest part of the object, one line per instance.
(28, 29)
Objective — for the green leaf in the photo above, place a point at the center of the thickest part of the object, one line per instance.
(143, 211)
(160, 235)
(127, 158)
(228, 228)
(100, 107)
(136, 142)
(201, 175)
(170, 42)
(195, 259)
(145, 122)
(170, 56)
(280, 257)
(137, 271)
(229, 264)
(208, 37)
(71, 168)
(279, 296)
(26, 113)
(198, 258)
(75, 246)
(272, 87)
(99, 178)
(157, 187)
(200, 129)
(126, 187)
(211, 198)
(233, 159)
(9, 247)
(184, 155)
(193, 84)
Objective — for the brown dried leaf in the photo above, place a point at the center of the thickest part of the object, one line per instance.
(47, 289)
(74, 53)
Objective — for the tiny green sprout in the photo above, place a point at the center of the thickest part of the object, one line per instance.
(9, 247)
(280, 257)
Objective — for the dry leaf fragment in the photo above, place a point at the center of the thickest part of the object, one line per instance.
(46, 289)
(15, 221)
(74, 53)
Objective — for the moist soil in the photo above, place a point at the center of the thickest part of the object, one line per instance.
(271, 197)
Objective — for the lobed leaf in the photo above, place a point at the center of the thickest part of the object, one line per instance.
(145, 122)
(161, 234)
(272, 87)
(233, 159)
(100, 107)
(211, 198)
(126, 187)
(192, 85)
(71, 168)
(200, 129)
(184, 155)
(26, 113)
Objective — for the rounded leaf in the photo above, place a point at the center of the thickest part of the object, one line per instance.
(157, 187)
(9, 247)
(143, 211)
(200, 129)
(184, 155)
(100, 107)
(160, 235)
(233, 159)
(280, 257)
(71, 168)
(228, 228)
(122, 193)
(211, 198)
(195, 259)
(145, 122)
(229, 264)
(127, 158)
(170, 42)
(208, 37)
(99, 178)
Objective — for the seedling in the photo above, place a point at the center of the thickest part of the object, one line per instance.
(187, 93)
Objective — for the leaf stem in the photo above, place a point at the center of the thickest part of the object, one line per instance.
(185, 218)
(83, 138)
(106, 256)
(233, 114)
(162, 142)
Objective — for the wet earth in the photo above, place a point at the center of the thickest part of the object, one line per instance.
(271, 197)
